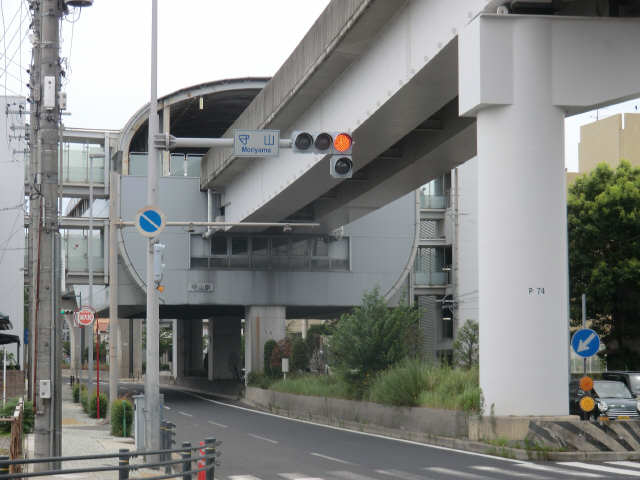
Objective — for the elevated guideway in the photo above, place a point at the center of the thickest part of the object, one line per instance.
(424, 86)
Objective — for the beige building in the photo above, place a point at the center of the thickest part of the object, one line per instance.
(608, 140)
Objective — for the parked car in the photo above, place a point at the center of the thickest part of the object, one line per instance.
(630, 379)
(613, 400)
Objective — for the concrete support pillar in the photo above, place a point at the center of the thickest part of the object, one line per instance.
(181, 327)
(210, 350)
(196, 357)
(261, 324)
(124, 344)
(226, 348)
(522, 228)
(75, 334)
(174, 349)
(136, 339)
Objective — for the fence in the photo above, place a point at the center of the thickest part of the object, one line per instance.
(15, 447)
(206, 463)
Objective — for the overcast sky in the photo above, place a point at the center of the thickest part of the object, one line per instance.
(106, 51)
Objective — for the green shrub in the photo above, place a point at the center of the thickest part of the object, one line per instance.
(259, 380)
(415, 383)
(121, 409)
(314, 385)
(84, 399)
(372, 338)
(299, 356)
(93, 407)
(280, 351)
(27, 415)
(76, 393)
(400, 385)
(269, 345)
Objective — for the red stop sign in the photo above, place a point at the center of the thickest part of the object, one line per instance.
(85, 316)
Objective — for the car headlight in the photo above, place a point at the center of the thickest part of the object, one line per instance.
(602, 406)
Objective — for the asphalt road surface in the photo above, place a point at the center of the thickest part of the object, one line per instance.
(260, 446)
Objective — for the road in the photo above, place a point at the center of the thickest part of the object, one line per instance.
(260, 446)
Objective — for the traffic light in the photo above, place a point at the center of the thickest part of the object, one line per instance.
(66, 311)
(337, 144)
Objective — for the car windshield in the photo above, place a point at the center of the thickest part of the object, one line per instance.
(635, 382)
(612, 390)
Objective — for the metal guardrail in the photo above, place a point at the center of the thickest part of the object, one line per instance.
(206, 462)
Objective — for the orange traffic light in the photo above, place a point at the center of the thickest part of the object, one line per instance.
(342, 142)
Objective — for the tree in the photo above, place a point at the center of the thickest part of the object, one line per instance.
(372, 338)
(269, 346)
(604, 257)
(299, 355)
(465, 346)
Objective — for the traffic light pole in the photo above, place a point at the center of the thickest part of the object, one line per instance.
(152, 374)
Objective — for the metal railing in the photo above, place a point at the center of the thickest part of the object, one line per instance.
(181, 467)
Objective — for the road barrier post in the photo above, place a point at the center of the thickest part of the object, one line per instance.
(210, 451)
(186, 465)
(123, 461)
(202, 475)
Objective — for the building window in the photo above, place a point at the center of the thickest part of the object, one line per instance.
(293, 252)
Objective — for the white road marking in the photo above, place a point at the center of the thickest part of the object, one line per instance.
(167, 407)
(561, 471)
(184, 413)
(509, 473)
(356, 432)
(625, 464)
(297, 476)
(243, 477)
(601, 468)
(217, 424)
(456, 473)
(333, 459)
(263, 438)
(349, 475)
(400, 474)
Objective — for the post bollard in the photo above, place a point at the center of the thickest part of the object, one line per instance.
(123, 461)
(210, 450)
(4, 468)
(186, 465)
(202, 475)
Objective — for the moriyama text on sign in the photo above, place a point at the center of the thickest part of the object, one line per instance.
(256, 143)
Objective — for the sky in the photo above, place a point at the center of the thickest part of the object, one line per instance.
(106, 53)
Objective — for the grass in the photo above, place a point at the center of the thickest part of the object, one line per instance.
(314, 385)
(411, 383)
(416, 383)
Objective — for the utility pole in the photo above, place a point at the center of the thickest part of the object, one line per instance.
(152, 375)
(46, 336)
(34, 198)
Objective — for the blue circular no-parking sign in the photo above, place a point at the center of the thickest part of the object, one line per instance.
(150, 221)
(585, 342)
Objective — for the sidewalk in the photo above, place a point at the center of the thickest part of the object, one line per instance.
(82, 435)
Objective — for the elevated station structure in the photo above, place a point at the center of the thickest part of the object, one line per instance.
(424, 87)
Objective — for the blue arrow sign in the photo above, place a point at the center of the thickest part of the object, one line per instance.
(585, 342)
(150, 221)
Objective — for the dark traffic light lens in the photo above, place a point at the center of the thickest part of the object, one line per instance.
(343, 165)
(304, 141)
(323, 141)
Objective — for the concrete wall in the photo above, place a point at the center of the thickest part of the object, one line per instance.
(600, 142)
(380, 246)
(631, 138)
(414, 423)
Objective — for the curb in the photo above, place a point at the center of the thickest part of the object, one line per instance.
(464, 444)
